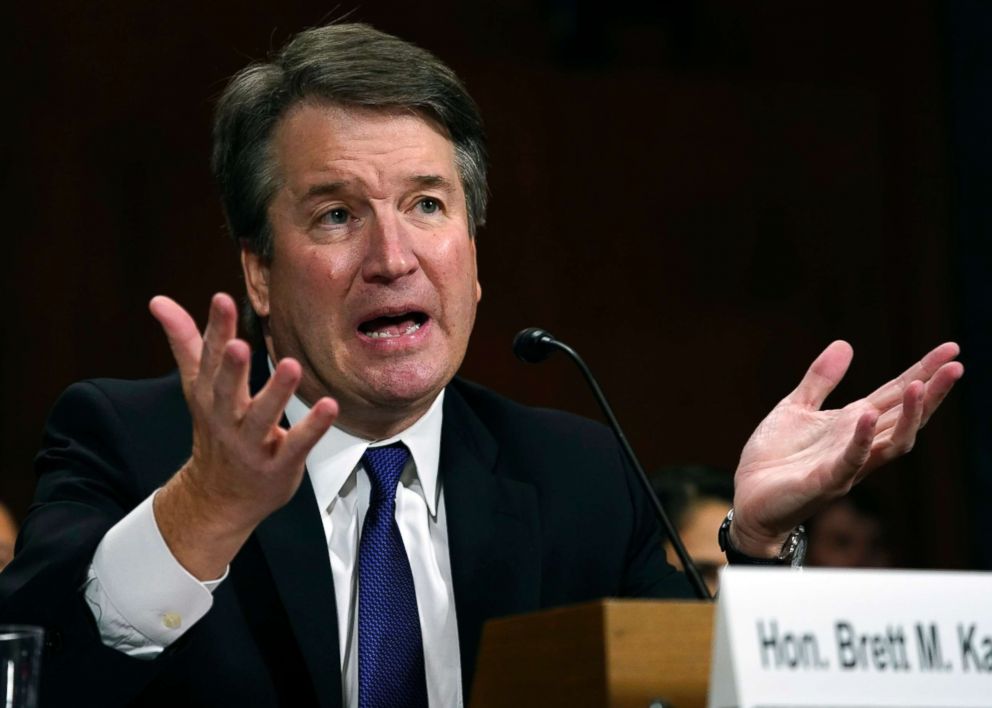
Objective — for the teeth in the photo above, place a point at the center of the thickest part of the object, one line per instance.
(389, 335)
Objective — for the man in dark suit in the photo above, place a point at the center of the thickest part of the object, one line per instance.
(331, 520)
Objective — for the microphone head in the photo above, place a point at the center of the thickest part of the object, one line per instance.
(533, 345)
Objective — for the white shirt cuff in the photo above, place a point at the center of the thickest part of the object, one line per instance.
(142, 598)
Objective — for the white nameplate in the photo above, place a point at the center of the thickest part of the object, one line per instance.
(852, 638)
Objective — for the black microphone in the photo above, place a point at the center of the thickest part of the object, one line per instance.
(534, 345)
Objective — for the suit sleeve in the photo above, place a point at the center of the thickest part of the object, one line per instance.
(648, 573)
(84, 488)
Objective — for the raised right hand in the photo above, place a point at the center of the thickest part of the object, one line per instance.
(244, 465)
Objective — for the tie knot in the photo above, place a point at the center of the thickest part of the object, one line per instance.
(384, 466)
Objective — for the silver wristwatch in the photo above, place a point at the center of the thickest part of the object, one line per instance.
(793, 551)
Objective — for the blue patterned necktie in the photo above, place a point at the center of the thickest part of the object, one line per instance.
(390, 648)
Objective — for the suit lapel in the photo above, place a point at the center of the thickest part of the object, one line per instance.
(292, 541)
(493, 537)
(493, 530)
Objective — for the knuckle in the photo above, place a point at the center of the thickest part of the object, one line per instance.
(199, 406)
(268, 467)
(219, 388)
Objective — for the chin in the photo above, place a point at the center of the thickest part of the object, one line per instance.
(401, 386)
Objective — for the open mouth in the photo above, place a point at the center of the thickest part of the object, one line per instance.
(390, 326)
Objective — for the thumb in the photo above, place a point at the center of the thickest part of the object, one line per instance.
(182, 333)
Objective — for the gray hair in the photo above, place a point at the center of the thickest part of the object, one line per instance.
(349, 64)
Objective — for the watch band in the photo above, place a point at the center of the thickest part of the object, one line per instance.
(793, 551)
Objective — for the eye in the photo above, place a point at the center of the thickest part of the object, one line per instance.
(335, 217)
(429, 205)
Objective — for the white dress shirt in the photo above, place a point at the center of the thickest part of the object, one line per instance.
(143, 599)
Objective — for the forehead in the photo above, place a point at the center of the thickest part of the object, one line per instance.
(376, 147)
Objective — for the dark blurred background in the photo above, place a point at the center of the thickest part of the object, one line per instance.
(697, 195)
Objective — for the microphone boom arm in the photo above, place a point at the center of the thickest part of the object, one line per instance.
(691, 571)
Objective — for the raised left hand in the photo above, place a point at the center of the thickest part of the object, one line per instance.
(801, 457)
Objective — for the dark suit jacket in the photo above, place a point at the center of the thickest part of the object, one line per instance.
(542, 511)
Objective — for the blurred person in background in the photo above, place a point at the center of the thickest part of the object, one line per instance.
(849, 533)
(696, 498)
(8, 534)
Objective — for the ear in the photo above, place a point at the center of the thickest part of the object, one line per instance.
(475, 264)
(256, 272)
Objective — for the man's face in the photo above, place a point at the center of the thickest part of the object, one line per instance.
(698, 531)
(844, 537)
(372, 286)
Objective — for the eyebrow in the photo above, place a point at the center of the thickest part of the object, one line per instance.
(326, 189)
(435, 181)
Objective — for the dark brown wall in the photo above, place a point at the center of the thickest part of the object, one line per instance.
(699, 198)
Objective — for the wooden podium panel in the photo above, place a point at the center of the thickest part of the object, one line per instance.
(616, 653)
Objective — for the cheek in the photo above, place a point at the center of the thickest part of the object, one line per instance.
(456, 264)
(311, 280)
(314, 272)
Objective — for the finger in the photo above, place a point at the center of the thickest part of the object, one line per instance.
(857, 450)
(888, 420)
(305, 434)
(939, 386)
(182, 333)
(231, 383)
(221, 328)
(904, 433)
(898, 442)
(935, 390)
(823, 375)
(890, 394)
(268, 405)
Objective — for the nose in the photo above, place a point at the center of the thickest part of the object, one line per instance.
(389, 253)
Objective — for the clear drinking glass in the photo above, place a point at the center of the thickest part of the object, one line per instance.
(20, 664)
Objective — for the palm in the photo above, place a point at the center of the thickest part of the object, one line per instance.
(800, 456)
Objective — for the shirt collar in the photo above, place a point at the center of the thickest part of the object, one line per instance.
(337, 453)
